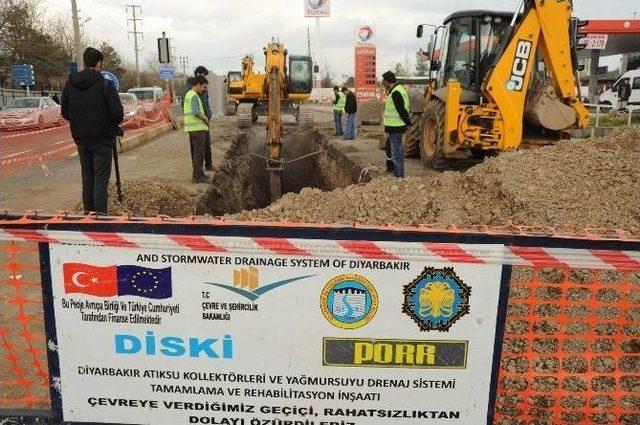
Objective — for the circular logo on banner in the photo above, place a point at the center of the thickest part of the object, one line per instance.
(436, 299)
(349, 301)
(365, 33)
(111, 77)
(316, 4)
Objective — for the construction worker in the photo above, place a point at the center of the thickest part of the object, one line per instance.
(338, 108)
(204, 97)
(396, 121)
(350, 108)
(196, 124)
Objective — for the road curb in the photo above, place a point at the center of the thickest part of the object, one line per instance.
(132, 142)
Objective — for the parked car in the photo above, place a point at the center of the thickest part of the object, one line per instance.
(30, 112)
(610, 97)
(133, 114)
(151, 99)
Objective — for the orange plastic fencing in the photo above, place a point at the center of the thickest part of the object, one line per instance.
(24, 377)
(571, 352)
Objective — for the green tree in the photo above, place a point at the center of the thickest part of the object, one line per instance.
(422, 63)
(399, 70)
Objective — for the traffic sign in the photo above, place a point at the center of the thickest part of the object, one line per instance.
(72, 67)
(166, 71)
(111, 77)
(23, 75)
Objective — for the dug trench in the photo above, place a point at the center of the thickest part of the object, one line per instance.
(242, 183)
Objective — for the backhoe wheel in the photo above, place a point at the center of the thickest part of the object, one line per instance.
(411, 138)
(432, 137)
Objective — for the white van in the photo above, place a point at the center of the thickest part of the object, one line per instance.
(610, 97)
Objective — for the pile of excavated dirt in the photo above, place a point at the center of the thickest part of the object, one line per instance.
(147, 198)
(370, 112)
(585, 183)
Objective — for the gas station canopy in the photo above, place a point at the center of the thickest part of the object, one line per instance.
(622, 36)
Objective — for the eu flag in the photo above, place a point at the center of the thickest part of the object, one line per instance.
(144, 282)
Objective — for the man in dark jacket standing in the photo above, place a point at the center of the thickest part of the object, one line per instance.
(624, 93)
(350, 108)
(396, 121)
(92, 106)
(204, 98)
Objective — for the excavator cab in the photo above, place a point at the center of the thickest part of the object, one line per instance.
(300, 75)
(234, 82)
(467, 46)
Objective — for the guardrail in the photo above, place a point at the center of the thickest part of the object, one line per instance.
(605, 109)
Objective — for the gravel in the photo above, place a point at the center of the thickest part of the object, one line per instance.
(587, 183)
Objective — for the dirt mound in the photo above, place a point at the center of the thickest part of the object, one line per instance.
(147, 198)
(370, 112)
(586, 183)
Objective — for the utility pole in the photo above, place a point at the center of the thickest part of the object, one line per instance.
(135, 33)
(308, 43)
(76, 35)
(184, 61)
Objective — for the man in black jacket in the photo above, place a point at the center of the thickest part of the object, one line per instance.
(92, 106)
(350, 108)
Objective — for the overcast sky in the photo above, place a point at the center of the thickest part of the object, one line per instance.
(217, 33)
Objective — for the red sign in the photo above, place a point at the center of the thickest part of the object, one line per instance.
(365, 72)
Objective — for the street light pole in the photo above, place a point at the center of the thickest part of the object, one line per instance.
(76, 34)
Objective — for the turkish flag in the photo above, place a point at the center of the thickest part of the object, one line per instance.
(91, 280)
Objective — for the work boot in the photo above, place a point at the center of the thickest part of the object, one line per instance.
(201, 179)
(390, 166)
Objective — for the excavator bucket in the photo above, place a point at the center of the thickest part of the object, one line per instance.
(545, 109)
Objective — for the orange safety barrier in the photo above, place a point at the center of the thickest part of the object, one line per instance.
(571, 351)
(571, 348)
(24, 377)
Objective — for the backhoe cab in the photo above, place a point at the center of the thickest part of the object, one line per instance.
(498, 79)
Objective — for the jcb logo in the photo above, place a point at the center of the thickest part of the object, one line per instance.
(520, 65)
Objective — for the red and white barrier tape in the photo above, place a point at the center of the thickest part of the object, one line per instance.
(388, 251)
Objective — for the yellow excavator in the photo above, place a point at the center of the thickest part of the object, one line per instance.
(500, 80)
(282, 88)
(248, 90)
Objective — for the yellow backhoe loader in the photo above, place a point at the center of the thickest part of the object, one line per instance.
(500, 80)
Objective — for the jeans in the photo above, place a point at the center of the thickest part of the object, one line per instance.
(350, 129)
(198, 142)
(337, 120)
(95, 166)
(208, 160)
(397, 153)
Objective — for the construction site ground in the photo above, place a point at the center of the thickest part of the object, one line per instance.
(590, 183)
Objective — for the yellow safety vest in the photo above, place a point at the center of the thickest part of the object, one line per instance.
(342, 100)
(391, 115)
(191, 122)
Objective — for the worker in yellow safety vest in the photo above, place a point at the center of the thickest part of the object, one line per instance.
(338, 109)
(396, 122)
(196, 124)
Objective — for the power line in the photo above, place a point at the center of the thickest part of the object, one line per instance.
(135, 33)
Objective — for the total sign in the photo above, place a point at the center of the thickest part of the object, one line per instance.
(317, 8)
(365, 36)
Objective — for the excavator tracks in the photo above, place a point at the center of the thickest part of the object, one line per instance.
(244, 112)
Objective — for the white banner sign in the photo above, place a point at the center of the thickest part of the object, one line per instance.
(190, 337)
(317, 8)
